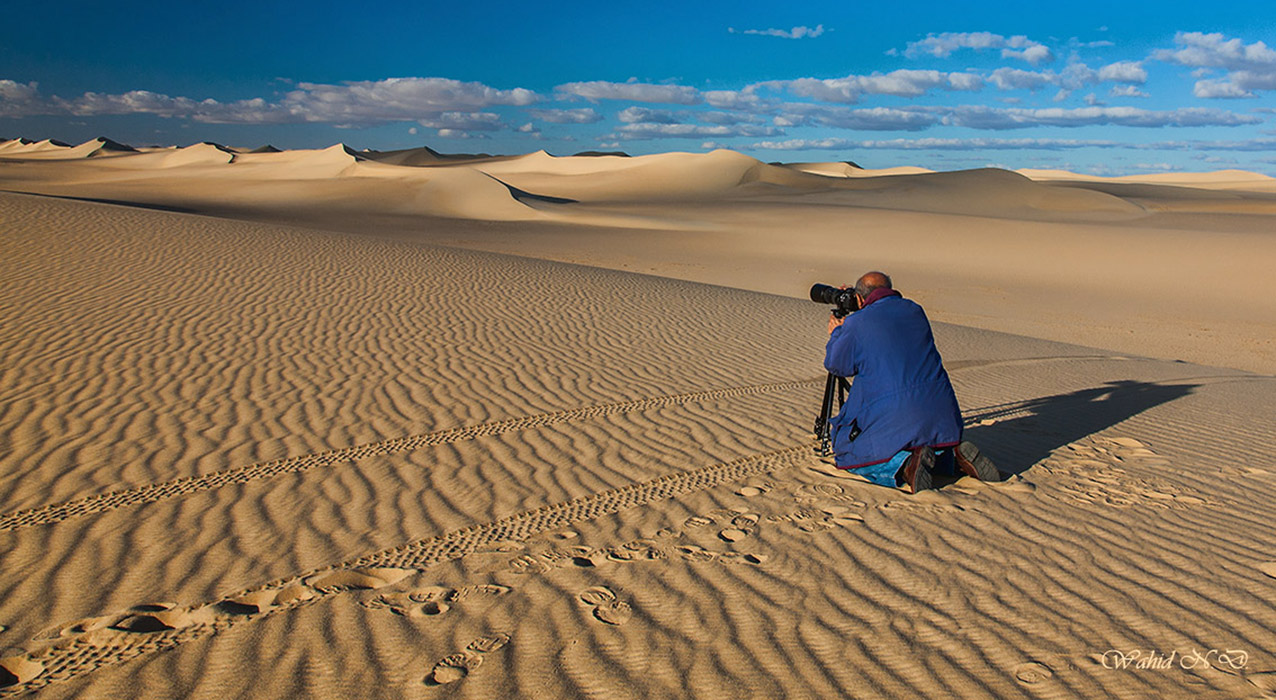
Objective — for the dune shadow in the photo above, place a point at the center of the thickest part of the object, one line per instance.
(1018, 435)
(117, 202)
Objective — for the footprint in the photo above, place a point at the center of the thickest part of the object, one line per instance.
(820, 525)
(733, 534)
(843, 513)
(597, 595)
(432, 608)
(18, 669)
(501, 546)
(453, 668)
(751, 491)
(607, 608)
(615, 612)
(164, 616)
(825, 489)
(432, 594)
(745, 521)
(250, 604)
(692, 552)
(487, 645)
(356, 579)
(431, 600)
(1015, 484)
(1032, 672)
(294, 593)
(1268, 567)
(79, 627)
(743, 558)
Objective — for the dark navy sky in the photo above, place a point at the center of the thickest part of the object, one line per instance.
(1103, 87)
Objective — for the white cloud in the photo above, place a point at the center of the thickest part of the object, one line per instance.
(1216, 51)
(395, 99)
(995, 144)
(458, 134)
(848, 90)
(948, 144)
(936, 144)
(1126, 91)
(746, 99)
(631, 92)
(1219, 89)
(1015, 79)
(464, 121)
(805, 144)
(585, 115)
(966, 82)
(943, 45)
(1073, 77)
(875, 119)
(726, 117)
(1076, 43)
(1248, 66)
(1033, 54)
(643, 115)
(794, 33)
(1124, 72)
(639, 131)
(979, 117)
(13, 90)
(430, 101)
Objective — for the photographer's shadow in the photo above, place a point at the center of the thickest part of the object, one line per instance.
(1020, 434)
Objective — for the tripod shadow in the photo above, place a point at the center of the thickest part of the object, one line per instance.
(1025, 432)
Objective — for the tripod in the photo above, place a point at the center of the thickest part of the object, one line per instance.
(833, 385)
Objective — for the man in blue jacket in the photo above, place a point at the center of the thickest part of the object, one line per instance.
(901, 418)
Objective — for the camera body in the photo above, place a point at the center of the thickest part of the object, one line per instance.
(843, 301)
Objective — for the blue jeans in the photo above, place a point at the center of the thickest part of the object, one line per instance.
(888, 473)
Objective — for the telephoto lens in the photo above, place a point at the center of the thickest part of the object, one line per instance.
(843, 299)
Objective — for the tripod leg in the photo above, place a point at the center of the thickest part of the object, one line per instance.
(822, 428)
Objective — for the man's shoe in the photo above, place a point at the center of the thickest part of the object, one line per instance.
(971, 462)
(919, 469)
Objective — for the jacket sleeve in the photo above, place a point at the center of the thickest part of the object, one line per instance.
(839, 355)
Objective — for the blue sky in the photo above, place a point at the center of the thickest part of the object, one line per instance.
(1101, 87)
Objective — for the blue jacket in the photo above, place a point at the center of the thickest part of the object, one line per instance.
(901, 397)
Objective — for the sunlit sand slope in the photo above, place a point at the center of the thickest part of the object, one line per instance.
(246, 460)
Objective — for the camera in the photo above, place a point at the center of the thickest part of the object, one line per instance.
(843, 300)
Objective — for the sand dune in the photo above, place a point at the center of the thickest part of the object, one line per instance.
(1056, 256)
(1242, 180)
(251, 460)
(842, 169)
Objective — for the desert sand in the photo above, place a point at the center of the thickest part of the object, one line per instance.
(339, 423)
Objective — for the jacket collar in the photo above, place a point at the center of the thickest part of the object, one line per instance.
(880, 293)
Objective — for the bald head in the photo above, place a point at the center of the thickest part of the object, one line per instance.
(871, 281)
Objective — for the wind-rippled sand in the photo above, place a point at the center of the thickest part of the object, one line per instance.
(250, 460)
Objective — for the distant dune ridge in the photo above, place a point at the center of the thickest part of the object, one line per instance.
(260, 460)
(1048, 254)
